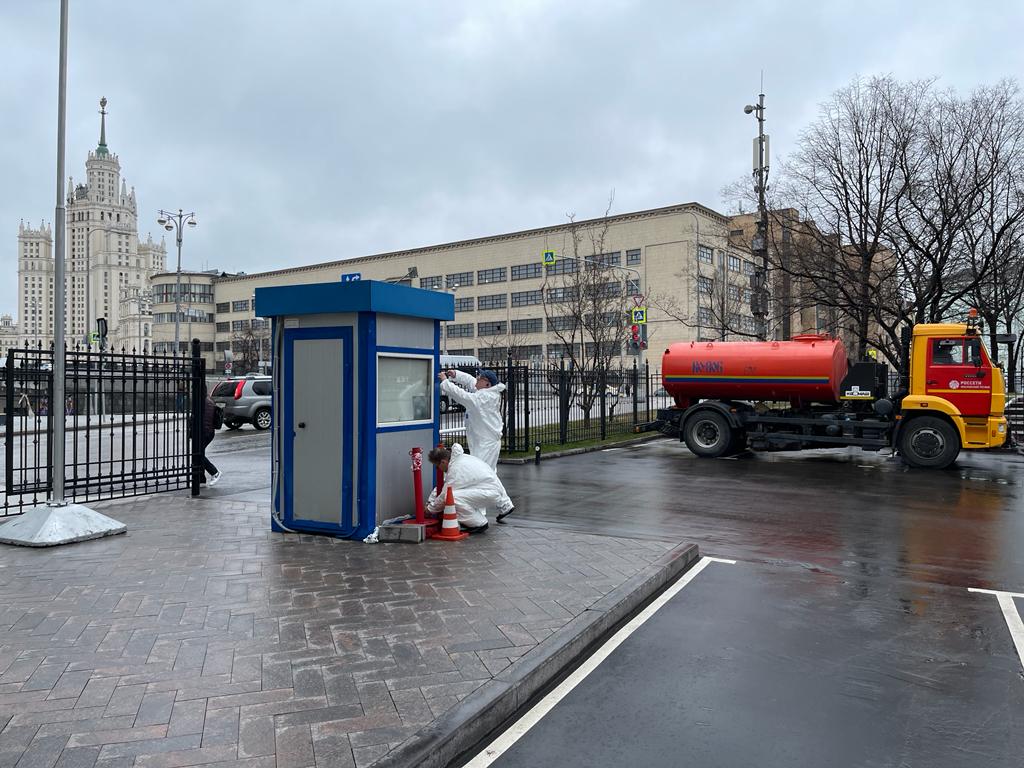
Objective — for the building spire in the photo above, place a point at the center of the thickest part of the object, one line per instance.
(102, 148)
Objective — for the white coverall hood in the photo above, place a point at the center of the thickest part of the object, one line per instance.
(483, 415)
(475, 487)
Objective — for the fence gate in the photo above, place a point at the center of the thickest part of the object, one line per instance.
(129, 425)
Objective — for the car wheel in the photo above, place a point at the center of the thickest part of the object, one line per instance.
(929, 442)
(262, 419)
(708, 434)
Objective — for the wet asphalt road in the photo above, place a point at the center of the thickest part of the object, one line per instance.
(844, 635)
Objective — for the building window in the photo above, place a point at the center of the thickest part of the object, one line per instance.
(633, 256)
(704, 254)
(747, 295)
(493, 301)
(495, 328)
(430, 283)
(734, 263)
(222, 346)
(704, 316)
(526, 271)
(734, 292)
(459, 330)
(496, 275)
(563, 293)
(240, 306)
(468, 352)
(565, 266)
(458, 279)
(705, 285)
(464, 304)
(223, 327)
(608, 290)
(527, 352)
(530, 325)
(633, 286)
(239, 325)
(748, 268)
(605, 260)
(493, 355)
(562, 323)
(560, 351)
(260, 324)
(527, 298)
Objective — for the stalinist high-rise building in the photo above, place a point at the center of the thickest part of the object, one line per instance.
(108, 270)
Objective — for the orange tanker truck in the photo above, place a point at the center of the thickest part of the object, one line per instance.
(799, 394)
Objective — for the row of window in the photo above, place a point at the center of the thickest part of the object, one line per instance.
(232, 306)
(734, 263)
(706, 285)
(185, 316)
(526, 325)
(190, 294)
(566, 265)
(735, 321)
(498, 355)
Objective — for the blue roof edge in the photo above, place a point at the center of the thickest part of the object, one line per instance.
(354, 296)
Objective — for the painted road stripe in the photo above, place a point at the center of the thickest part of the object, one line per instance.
(518, 729)
(1013, 620)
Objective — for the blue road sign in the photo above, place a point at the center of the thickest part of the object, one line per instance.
(351, 277)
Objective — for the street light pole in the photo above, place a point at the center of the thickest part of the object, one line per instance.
(176, 222)
(760, 244)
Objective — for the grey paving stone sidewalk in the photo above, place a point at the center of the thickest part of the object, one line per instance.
(199, 638)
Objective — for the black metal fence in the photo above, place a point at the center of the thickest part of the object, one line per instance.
(129, 421)
(562, 405)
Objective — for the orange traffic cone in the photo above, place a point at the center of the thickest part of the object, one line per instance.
(450, 522)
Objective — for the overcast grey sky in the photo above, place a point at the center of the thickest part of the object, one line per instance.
(323, 129)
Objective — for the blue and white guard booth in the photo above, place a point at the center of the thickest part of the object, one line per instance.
(354, 366)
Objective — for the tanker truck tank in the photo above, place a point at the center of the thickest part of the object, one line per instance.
(808, 369)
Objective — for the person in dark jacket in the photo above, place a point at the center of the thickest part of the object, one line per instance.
(209, 432)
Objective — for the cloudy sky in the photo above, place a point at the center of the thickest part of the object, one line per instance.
(323, 129)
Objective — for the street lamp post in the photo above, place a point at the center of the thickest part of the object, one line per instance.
(760, 244)
(175, 222)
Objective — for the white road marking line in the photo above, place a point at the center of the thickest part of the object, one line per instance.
(1010, 614)
(518, 729)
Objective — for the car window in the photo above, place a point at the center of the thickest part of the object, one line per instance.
(224, 389)
(974, 355)
(261, 388)
(947, 352)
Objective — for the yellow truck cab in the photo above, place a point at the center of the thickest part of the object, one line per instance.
(956, 396)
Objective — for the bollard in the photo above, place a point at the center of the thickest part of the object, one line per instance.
(536, 454)
(417, 481)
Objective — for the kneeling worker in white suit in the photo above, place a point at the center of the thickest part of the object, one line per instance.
(474, 485)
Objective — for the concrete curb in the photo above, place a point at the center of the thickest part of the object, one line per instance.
(588, 449)
(465, 725)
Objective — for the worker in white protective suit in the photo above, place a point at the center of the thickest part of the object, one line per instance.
(481, 397)
(475, 488)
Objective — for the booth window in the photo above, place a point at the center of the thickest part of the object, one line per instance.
(404, 389)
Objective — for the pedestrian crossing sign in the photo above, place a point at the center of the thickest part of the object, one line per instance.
(639, 315)
(549, 258)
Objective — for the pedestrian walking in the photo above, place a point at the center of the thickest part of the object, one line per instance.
(475, 487)
(209, 432)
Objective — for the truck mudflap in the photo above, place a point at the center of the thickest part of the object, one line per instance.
(668, 422)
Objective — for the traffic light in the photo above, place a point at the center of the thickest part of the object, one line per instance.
(643, 336)
(634, 342)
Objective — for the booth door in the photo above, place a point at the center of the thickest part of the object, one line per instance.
(319, 428)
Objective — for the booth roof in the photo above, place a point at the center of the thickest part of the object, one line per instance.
(355, 296)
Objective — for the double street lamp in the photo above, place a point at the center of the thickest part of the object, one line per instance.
(176, 222)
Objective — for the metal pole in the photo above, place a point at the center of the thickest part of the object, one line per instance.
(60, 293)
(177, 292)
(88, 288)
(762, 222)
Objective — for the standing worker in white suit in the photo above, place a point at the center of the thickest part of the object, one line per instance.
(481, 397)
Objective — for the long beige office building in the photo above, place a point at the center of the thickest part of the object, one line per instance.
(686, 261)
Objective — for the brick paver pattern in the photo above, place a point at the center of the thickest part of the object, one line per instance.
(200, 638)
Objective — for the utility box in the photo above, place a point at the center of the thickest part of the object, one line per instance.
(355, 389)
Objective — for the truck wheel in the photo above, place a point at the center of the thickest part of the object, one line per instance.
(708, 434)
(262, 419)
(929, 442)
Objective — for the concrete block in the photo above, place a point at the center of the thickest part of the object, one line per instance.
(411, 533)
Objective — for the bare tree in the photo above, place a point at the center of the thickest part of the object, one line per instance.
(585, 305)
(248, 346)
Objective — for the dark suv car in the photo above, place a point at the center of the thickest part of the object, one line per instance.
(245, 400)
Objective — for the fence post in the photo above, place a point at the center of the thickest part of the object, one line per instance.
(9, 423)
(510, 396)
(647, 384)
(636, 394)
(602, 382)
(198, 371)
(526, 407)
(563, 405)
